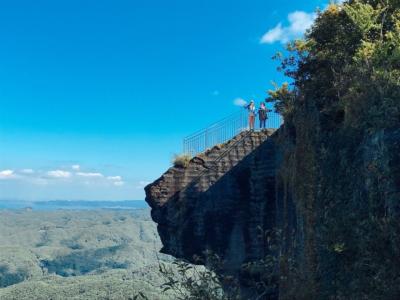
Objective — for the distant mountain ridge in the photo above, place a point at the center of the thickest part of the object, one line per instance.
(73, 204)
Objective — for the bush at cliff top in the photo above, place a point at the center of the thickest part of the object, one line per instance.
(181, 161)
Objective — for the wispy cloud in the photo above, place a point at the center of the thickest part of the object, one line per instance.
(299, 22)
(59, 174)
(7, 174)
(239, 102)
(75, 177)
(84, 174)
(114, 178)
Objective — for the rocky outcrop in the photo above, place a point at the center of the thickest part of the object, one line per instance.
(333, 196)
(218, 202)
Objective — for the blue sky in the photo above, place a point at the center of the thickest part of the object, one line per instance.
(96, 96)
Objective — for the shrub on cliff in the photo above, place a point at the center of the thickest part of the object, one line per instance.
(196, 282)
(188, 281)
(181, 160)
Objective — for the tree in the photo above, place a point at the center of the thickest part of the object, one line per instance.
(347, 66)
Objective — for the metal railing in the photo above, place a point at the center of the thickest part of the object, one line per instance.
(224, 130)
(215, 161)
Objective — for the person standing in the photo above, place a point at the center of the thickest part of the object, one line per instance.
(252, 114)
(262, 115)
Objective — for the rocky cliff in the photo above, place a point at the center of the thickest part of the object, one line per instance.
(218, 201)
(332, 196)
(343, 183)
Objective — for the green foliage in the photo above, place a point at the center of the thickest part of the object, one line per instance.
(195, 282)
(343, 99)
(262, 276)
(347, 66)
(343, 106)
(284, 99)
(181, 160)
(188, 282)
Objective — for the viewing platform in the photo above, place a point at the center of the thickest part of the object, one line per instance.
(224, 130)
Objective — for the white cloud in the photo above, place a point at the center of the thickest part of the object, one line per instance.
(117, 180)
(98, 175)
(239, 102)
(27, 171)
(299, 22)
(114, 178)
(7, 174)
(273, 35)
(59, 174)
(76, 167)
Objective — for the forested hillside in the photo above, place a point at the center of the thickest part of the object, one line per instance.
(99, 254)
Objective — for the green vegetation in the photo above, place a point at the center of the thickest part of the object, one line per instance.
(259, 279)
(101, 254)
(182, 160)
(348, 66)
(195, 282)
(342, 121)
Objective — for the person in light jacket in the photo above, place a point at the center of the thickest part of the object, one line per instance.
(251, 108)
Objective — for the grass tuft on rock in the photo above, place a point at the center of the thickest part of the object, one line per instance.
(181, 160)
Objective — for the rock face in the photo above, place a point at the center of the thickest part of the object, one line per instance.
(218, 201)
(338, 207)
(333, 195)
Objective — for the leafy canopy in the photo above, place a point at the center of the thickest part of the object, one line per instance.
(347, 66)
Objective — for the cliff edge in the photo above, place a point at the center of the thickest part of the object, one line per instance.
(218, 200)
